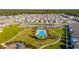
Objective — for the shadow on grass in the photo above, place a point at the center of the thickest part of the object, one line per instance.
(63, 41)
(52, 37)
(33, 36)
(63, 46)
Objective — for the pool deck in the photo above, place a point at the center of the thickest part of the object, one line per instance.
(41, 31)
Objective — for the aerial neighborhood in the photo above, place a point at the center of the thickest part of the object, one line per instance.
(32, 19)
(39, 31)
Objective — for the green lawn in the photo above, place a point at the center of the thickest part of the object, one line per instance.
(55, 46)
(61, 44)
(24, 37)
(9, 32)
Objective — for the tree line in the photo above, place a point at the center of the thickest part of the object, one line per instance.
(8, 12)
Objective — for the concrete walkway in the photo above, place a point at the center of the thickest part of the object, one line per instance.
(52, 43)
(3, 44)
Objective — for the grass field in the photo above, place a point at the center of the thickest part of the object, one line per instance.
(9, 32)
(26, 36)
(61, 44)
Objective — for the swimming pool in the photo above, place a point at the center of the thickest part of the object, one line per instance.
(41, 33)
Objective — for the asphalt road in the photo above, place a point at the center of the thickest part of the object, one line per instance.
(75, 34)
